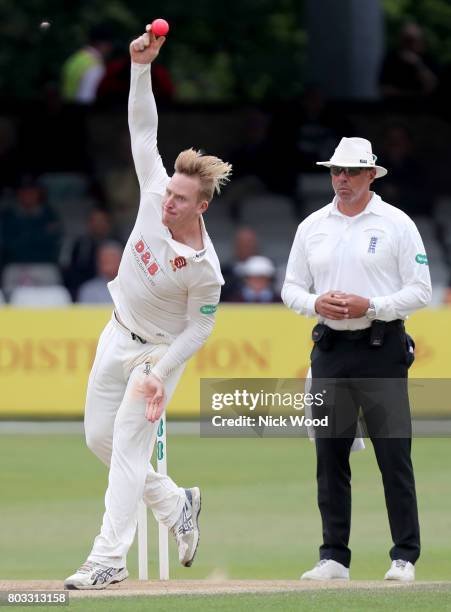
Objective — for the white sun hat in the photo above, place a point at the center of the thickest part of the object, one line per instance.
(354, 153)
(258, 265)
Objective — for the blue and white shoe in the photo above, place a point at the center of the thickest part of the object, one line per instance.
(186, 528)
(92, 575)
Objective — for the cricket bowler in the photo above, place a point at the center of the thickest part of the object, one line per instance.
(165, 296)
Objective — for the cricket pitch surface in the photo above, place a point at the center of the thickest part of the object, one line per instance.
(133, 588)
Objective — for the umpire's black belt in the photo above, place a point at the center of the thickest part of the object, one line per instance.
(357, 334)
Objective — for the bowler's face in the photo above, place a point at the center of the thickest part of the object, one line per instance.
(352, 189)
(181, 203)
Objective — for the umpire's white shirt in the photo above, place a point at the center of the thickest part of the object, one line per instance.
(165, 291)
(376, 254)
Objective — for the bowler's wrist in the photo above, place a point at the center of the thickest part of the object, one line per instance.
(138, 66)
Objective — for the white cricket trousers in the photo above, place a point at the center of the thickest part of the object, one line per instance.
(118, 432)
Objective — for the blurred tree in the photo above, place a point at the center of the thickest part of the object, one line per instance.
(242, 49)
(31, 57)
(434, 16)
(245, 50)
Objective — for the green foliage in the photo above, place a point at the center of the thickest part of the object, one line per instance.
(239, 49)
(435, 18)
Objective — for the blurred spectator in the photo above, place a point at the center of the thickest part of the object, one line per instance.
(254, 157)
(257, 286)
(83, 70)
(317, 134)
(252, 161)
(408, 71)
(254, 167)
(37, 275)
(245, 245)
(114, 86)
(119, 182)
(446, 298)
(10, 160)
(405, 183)
(95, 291)
(83, 258)
(30, 229)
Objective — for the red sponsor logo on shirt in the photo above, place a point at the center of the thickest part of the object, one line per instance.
(177, 263)
(146, 257)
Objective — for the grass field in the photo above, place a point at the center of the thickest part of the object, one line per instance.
(259, 517)
(307, 602)
(332, 601)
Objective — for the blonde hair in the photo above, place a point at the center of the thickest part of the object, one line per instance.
(213, 173)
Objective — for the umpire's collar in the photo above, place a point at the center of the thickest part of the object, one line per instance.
(373, 206)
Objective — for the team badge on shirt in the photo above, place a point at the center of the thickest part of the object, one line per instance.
(372, 245)
(177, 263)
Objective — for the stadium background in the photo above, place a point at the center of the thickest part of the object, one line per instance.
(277, 82)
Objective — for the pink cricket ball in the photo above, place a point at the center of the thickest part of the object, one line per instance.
(160, 27)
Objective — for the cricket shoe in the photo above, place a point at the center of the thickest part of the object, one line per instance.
(401, 570)
(92, 575)
(186, 528)
(327, 569)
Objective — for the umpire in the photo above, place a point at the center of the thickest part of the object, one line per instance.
(359, 265)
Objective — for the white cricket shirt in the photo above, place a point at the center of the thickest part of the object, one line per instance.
(165, 291)
(377, 254)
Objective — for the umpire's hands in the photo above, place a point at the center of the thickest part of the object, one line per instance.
(356, 305)
(145, 48)
(338, 305)
(331, 305)
(154, 394)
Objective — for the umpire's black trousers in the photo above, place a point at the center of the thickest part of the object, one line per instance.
(350, 356)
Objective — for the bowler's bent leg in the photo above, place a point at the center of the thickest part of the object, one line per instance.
(106, 389)
(133, 440)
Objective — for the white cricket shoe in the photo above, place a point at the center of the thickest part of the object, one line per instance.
(401, 570)
(186, 528)
(327, 569)
(92, 575)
